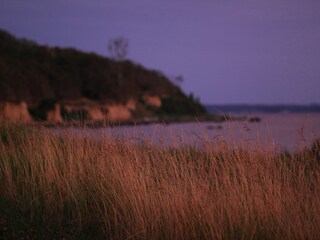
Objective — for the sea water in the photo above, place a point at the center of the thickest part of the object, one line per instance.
(291, 132)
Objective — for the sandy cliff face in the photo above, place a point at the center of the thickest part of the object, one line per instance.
(95, 111)
(14, 112)
(153, 101)
(118, 112)
(131, 104)
(54, 115)
(83, 109)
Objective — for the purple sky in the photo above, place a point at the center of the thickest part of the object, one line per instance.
(228, 51)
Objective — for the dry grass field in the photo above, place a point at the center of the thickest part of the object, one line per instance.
(69, 187)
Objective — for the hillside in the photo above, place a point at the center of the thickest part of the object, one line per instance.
(55, 84)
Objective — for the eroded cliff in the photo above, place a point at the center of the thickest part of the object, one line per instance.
(53, 84)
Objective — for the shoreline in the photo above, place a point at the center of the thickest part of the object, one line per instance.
(136, 121)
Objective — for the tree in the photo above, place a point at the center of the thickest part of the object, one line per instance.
(118, 48)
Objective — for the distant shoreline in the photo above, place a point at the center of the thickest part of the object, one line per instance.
(261, 108)
(136, 121)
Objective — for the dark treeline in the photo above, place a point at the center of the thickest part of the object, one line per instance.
(276, 108)
(33, 73)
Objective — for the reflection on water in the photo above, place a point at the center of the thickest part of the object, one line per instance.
(283, 131)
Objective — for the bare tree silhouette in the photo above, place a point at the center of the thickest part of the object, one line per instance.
(118, 48)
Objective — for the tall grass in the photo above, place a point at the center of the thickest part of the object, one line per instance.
(115, 189)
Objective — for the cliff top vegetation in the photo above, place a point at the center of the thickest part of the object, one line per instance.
(33, 73)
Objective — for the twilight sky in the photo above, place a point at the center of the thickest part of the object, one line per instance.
(228, 51)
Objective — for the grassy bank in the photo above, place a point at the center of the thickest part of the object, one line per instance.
(81, 188)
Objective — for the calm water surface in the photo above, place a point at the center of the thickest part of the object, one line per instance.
(282, 131)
